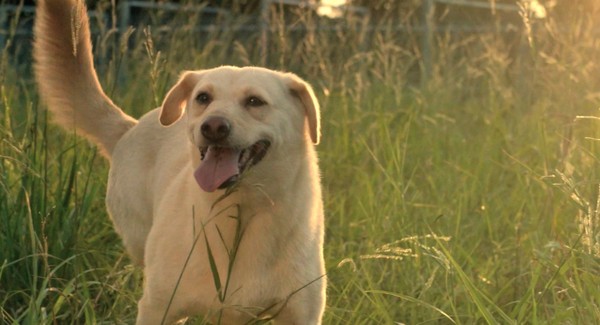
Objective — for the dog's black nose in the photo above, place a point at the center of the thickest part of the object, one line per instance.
(215, 128)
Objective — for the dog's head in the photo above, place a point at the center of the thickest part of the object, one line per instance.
(236, 116)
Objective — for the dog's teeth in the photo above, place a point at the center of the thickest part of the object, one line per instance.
(244, 156)
(203, 152)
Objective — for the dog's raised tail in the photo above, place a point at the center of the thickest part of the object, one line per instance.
(66, 76)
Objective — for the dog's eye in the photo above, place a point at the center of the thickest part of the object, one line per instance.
(254, 101)
(203, 98)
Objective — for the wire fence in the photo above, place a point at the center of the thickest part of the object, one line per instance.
(127, 11)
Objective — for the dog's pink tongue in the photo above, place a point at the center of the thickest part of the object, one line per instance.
(219, 165)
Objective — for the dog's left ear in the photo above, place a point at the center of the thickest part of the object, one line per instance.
(305, 93)
(174, 103)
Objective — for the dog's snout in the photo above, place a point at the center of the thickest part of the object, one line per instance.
(215, 128)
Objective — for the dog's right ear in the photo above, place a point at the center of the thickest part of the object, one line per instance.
(174, 103)
(305, 93)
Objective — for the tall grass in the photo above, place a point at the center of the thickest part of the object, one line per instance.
(469, 198)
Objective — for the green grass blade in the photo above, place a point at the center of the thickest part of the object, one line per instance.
(413, 300)
(213, 268)
(480, 300)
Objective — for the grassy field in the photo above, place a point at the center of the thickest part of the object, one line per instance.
(467, 198)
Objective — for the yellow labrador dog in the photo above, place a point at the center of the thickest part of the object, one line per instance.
(216, 193)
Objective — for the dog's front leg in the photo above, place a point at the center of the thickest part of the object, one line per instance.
(154, 313)
(306, 309)
(292, 316)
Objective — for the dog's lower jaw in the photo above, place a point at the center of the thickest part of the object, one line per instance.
(221, 166)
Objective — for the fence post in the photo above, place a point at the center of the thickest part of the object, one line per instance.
(124, 15)
(427, 46)
(264, 30)
(3, 27)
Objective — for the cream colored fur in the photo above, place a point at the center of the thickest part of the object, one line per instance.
(169, 225)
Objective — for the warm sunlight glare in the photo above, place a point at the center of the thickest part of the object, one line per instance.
(537, 9)
(331, 8)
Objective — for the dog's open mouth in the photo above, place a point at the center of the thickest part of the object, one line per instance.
(221, 166)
